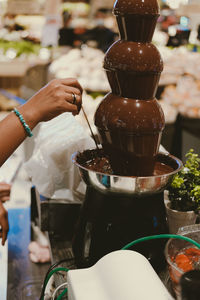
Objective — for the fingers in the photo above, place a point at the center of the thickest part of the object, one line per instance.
(71, 107)
(71, 90)
(4, 192)
(71, 87)
(5, 187)
(72, 82)
(54, 99)
(3, 223)
(73, 98)
(5, 199)
(73, 94)
(4, 234)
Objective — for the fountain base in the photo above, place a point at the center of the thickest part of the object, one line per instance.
(108, 222)
(119, 209)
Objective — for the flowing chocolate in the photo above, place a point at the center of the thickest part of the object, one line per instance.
(132, 66)
(129, 120)
(137, 28)
(133, 57)
(129, 115)
(130, 132)
(136, 19)
(98, 162)
(138, 7)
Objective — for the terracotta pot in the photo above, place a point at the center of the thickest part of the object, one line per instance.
(177, 219)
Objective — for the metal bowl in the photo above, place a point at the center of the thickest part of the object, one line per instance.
(122, 184)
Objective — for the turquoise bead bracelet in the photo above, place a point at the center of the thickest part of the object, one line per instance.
(26, 127)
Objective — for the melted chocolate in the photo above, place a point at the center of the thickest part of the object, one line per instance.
(130, 132)
(162, 169)
(129, 120)
(133, 57)
(133, 117)
(102, 165)
(141, 7)
(132, 66)
(137, 28)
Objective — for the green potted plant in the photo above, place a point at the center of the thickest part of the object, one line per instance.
(183, 202)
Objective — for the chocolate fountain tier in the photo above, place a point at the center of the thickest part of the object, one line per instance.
(138, 7)
(133, 57)
(130, 132)
(106, 183)
(133, 69)
(137, 28)
(136, 19)
(130, 115)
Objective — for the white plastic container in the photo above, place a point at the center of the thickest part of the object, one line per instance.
(120, 275)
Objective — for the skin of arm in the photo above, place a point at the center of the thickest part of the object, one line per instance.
(5, 189)
(3, 223)
(52, 100)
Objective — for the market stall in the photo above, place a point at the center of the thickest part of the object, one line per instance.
(78, 209)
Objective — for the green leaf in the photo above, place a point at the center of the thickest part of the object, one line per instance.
(184, 191)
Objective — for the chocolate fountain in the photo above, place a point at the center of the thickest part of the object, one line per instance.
(126, 178)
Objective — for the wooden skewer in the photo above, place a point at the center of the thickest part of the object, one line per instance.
(90, 128)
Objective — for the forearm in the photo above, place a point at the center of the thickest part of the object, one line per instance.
(12, 132)
(52, 100)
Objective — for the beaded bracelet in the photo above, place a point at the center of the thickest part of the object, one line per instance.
(26, 127)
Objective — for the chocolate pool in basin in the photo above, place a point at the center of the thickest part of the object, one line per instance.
(126, 178)
(96, 171)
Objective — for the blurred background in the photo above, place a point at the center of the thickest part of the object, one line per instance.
(41, 40)
(45, 39)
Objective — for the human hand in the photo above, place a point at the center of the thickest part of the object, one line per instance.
(52, 100)
(5, 189)
(3, 223)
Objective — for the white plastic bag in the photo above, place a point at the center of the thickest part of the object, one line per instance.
(50, 166)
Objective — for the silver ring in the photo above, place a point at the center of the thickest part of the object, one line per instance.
(74, 99)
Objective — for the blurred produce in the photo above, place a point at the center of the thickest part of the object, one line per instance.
(7, 104)
(177, 62)
(170, 112)
(19, 47)
(182, 79)
(86, 65)
(185, 96)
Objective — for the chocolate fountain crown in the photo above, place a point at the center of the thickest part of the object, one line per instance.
(130, 120)
(136, 19)
(137, 7)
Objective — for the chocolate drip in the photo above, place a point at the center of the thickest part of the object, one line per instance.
(130, 120)
(101, 164)
(140, 7)
(135, 117)
(136, 19)
(133, 69)
(132, 56)
(141, 31)
(136, 85)
(130, 133)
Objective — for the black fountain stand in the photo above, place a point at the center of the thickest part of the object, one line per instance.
(109, 222)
